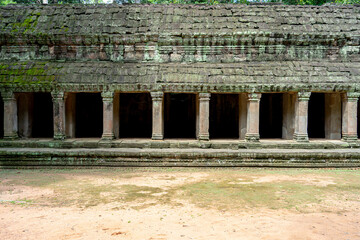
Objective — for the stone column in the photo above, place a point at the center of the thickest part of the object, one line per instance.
(10, 116)
(203, 116)
(242, 115)
(252, 121)
(332, 116)
(58, 99)
(288, 115)
(108, 116)
(158, 115)
(349, 116)
(301, 116)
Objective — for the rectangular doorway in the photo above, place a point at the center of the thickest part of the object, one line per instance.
(135, 115)
(224, 116)
(179, 115)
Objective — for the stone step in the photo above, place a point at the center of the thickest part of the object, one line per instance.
(171, 157)
(188, 143)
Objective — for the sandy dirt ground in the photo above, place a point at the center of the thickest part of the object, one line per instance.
(51, 208)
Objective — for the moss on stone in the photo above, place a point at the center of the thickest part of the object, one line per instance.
(25, 75)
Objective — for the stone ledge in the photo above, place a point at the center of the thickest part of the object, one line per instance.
(234, 144)
(133, 157)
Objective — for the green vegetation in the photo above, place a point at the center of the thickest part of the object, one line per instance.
(26, 73)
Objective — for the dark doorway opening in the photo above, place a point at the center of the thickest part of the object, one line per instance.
(1, 118)
(271, 115)
(135, 115)
(89, 115)
(224, 116)
(43, 122)
(35, 115)
(179, 115)
(316, 116)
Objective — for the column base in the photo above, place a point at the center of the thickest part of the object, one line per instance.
(251, 137)
(204, 137)
(349, 137)
(301, 137)
(59, 136)
(157, 137)
(12, 136)
(107, 136)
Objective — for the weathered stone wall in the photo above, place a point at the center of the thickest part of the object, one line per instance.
(224, 48)
(180, 33)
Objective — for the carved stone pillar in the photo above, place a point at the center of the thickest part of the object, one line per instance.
(158, 115)
(10, 116)
(252, 122)
(203, 116)
(108, 116)
(301, 116)
(349, 116)
(58, 99)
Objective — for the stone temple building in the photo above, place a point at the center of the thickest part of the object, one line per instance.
(179, 85)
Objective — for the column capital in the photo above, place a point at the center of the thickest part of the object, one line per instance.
(58, 95)
(351, 96)
(8, 96)
(204, 96)
(254, 97)
(303, 96)
(107, 96)
(157, 96)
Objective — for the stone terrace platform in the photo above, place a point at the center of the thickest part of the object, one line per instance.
(177, 153)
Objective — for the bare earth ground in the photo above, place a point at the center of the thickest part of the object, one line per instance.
(173, 203)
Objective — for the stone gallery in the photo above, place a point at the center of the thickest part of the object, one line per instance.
(237, 85)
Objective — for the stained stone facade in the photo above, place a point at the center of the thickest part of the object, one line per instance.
(241, 73)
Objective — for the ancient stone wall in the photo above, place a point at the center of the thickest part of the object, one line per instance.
(225, 48)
